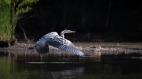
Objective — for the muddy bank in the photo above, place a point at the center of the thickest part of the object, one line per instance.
(97, 51)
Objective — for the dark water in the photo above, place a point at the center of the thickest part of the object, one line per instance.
(11, 68)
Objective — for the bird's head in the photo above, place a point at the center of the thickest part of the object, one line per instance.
(67, 31)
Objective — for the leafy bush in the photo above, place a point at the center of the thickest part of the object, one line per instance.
(9, 12)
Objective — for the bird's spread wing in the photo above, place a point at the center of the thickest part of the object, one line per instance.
(41, 46)
(71, 49)
(42, 49)
(65, 45)
(56, 41)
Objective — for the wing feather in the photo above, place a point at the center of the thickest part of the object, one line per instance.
(72, 50)
(68, 46)
(42, 49)
(41, 46)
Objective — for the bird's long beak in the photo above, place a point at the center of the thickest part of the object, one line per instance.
(71, 31)
(67, 31)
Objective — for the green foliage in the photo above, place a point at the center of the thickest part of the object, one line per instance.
(24, 6)
(5, 26)
(9, 12)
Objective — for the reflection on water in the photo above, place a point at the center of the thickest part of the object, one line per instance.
(11, 68)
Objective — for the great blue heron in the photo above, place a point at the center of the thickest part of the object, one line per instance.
(57, 41)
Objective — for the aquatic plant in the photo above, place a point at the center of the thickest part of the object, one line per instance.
(9, 14)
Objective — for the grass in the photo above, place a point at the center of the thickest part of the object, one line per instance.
(5, 23)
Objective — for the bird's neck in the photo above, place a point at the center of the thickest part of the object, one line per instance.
(62, 35)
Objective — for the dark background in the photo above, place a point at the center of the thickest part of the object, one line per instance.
(94, 20)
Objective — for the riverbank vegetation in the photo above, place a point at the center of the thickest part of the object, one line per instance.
(10, 11)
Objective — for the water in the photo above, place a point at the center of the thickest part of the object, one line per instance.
(10, 68)
(13, 66)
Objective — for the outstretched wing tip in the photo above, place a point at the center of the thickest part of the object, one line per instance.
(81, 54)
(71, 49)
(42, 48)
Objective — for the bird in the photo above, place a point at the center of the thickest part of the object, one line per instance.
(57, 41)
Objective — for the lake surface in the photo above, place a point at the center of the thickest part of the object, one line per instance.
(23, 67)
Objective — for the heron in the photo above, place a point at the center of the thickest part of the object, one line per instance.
(57, 41)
